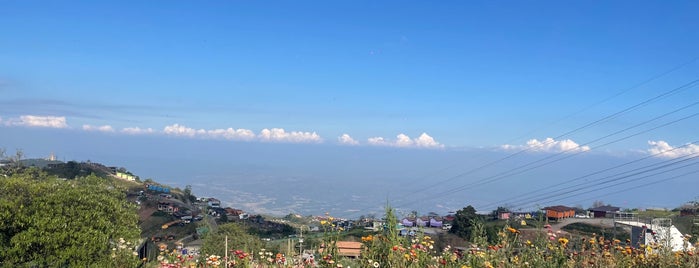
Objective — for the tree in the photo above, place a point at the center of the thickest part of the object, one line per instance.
(15, 162)
(224, 217)
(463, 222)
(47, 222)
(188, 194)
(238, 238)
(17, 159)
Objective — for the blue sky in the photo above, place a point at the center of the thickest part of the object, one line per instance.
(452, 75)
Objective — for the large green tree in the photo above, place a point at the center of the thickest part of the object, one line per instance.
(463, 222)
(48, 222)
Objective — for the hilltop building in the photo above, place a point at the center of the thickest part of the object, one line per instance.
(559, 212)
(604, 211)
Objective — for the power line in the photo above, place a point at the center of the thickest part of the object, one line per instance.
(636, 179)
(527, 167)
(643, 185)
(613, 178)
(525, 196)
(609, 117)
(646, 102)
(588, 125)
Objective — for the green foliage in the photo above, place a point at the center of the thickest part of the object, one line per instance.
(463, 222)
(14, 165)
(587, 229)
(188, 194)
(69, 170)
(270, 229)
(72, 169)
(224, 218)
(238, 238)
(49, 222)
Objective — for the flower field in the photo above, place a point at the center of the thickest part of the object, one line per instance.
(386, 248)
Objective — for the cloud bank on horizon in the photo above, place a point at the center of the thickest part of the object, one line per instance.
(402, 140)
(37, 121)
(279, 135)
(658, 148)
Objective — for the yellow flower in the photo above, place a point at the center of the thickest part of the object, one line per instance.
(515, 259)
(563, 241)
(323, 222)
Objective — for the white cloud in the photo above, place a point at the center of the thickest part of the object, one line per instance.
(280, 135)
(427, 141)
(548, 145)
(664, 149)
(137, 130)
(38, 121)
(105, 128)
(232, 134)
(402, 140)
(378, 141)
(271, 135)
(180, 130)
(346, 139)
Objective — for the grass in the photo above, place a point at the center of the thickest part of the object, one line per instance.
(584, 229)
